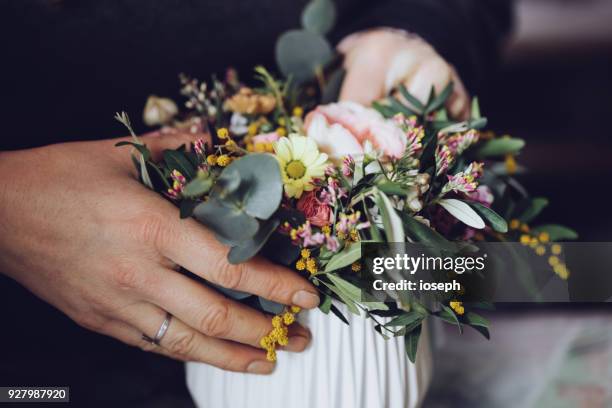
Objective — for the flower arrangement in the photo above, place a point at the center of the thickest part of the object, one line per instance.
(305, 184)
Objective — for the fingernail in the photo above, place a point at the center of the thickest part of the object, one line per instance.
(260, 367)
(297, 343)
(305, 299)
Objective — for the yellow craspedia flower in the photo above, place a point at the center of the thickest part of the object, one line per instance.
(553, 260)
(540, 250)
(253, 129)
(223, 160)
(300, 265)
(300, 162)
(354, 235)
(281, 131)
(295, 309)
(510, 164)
(266, 343)
(271, 355)
(533, 242)
(211, 160)
(515, 224)
(544, 237)
(555, 249)
(288, 318)
(457, 306)
(311, 266)
(525, 239)
(305, 253)
(524, 227)
(356, 267)
(298, 111)
(277, 322)
(222, 133)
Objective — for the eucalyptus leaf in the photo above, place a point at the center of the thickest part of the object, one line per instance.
(197, 187)
(270, 306)
(300, 53)
(261, 187)
(462, 212)
(245, 250)
(186, 208)
(231, 224)
(495, 220)
(319, 16)
(331, 90)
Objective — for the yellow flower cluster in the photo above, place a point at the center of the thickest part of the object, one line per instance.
(224, 159)
(457, 306)
(278, 336)
(539, 245)
(307, 262)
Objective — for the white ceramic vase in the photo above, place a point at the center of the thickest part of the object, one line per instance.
(344, 367)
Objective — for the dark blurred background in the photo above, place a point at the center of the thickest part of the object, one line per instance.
(555, 91)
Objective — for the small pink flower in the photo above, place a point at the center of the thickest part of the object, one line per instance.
(346, 128)
(482, 195)
(332, 244)
(317, 212)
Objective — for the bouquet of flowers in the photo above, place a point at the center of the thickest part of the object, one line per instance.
(306, 184)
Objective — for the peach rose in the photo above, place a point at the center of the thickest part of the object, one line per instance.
(316, 212)
(344, 128)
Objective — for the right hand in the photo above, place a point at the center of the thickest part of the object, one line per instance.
(80, 232)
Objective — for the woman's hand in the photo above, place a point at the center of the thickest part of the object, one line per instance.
(378, 61)
(82, 233)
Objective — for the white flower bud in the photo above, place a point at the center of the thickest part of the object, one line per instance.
(159, 111)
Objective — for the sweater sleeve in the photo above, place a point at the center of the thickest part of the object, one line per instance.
(467, 33)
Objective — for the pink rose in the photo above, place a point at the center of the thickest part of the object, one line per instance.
(347, 128)
(316, 212)
(266, 138)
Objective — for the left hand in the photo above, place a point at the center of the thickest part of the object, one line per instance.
(377, 61)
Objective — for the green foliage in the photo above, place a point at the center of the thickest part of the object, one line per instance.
(319, 16)
(556, 232)
(300, 54)
(494, 220)
(411, 342)
(462, 212)
(421, 233)
(533, 209)
(500, 147)
(349, 254)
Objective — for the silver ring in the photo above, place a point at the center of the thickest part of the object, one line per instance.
(161, 332)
